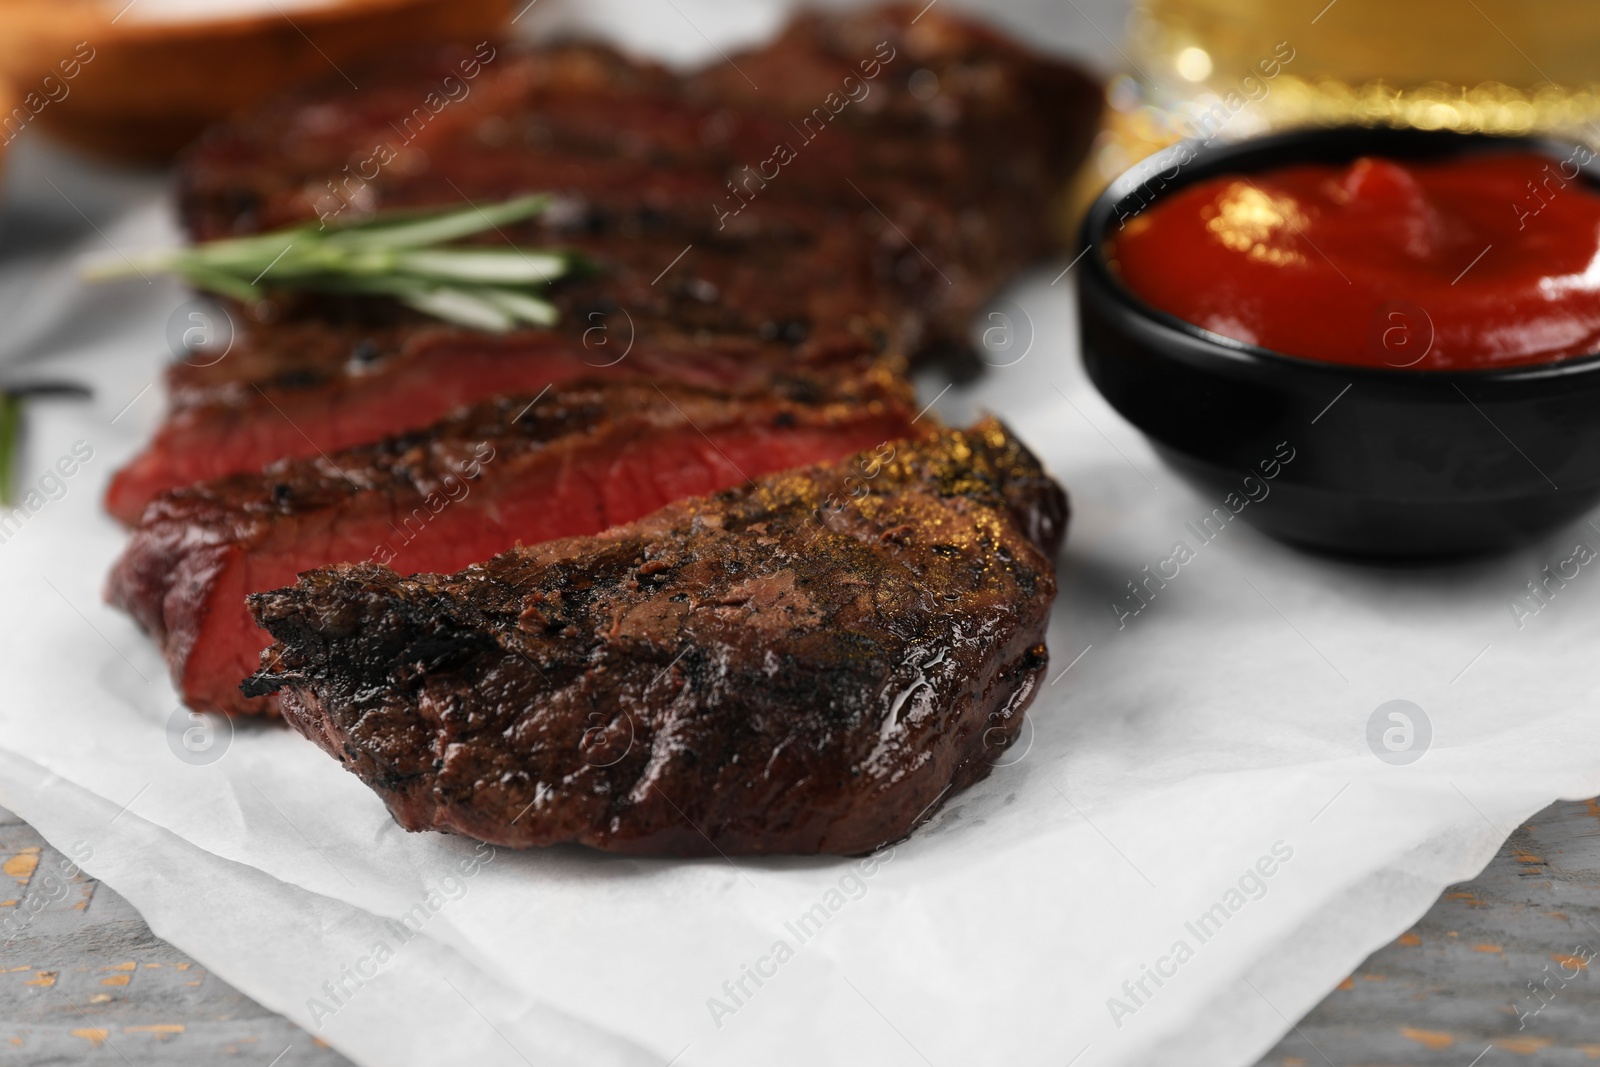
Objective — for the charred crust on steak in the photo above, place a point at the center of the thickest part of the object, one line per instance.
(569, 460)
(641, 159)
(801, 281)
(788, 680)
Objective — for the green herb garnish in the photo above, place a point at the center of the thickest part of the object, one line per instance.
(400, 254)
(11, 398)
(10, 433)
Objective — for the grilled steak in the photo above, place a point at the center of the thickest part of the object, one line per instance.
(894, 173)
(580, 459)
(388, 383)
(805, 664)
(898, 163)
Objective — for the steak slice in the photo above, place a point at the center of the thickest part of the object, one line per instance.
(375, 391)
(907, 202)
(806, 664)
(921, 85)
(902, 161)
(574, 461)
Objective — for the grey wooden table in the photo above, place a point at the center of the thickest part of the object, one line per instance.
(1496, 973)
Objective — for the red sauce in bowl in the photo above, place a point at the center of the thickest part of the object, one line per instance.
(1482, 261)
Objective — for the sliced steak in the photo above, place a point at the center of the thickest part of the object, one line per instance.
(362, 391)
(901, 161)
(575, 461)
(898, 170)
(806, 664)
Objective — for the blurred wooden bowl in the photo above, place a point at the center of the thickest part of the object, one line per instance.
(9, 99)
(136, 85)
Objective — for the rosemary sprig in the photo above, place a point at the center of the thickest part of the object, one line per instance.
(401, 254)
(10, 432)
(11, 398)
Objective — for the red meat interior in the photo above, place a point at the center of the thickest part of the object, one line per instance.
(586, 492)
(418, 389)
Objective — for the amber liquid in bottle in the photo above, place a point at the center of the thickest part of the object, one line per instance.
(1227, 69)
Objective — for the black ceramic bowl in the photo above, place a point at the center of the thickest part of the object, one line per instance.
(1387, 462)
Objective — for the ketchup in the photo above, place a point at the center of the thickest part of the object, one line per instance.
(1488, 260)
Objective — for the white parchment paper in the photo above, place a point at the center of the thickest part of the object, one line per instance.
(1195, 841)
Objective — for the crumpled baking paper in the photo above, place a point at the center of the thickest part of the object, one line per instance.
(1216, 811)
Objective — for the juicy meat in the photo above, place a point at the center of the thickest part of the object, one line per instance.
(899, 163)
(349, 386)
(576, 460)
(897, 168)
(804, 664)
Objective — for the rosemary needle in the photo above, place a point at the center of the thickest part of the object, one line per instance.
(405, 255)
(11, 398)
(10, 433)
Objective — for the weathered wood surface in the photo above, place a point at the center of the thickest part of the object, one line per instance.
(1495, 974)
(83, 980)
